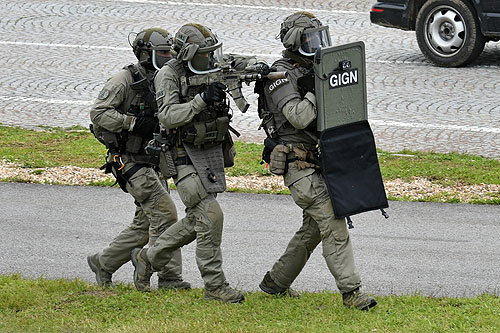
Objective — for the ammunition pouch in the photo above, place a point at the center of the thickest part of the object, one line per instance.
(206, 132)
(125, 142)
(278, 163)
(161, 156)
(110, 139)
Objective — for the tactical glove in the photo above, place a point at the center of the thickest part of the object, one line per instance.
(263, 68)
(214, 93)
(306, 82)
(145, 126)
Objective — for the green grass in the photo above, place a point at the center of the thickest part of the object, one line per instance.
(57, 147)
(445, 169)
(75, 306)
(248, 159)
(54, 147)
(78, 147)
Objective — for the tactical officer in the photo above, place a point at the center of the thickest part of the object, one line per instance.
(123, 118)
(197, 121)
(289, 114)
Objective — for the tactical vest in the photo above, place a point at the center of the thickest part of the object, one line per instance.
(139, 102)
(142, 106)
(208, 127)
(283, 131)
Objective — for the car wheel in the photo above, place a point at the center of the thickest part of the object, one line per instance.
(448, 33)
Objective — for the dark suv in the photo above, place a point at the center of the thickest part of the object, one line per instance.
(450, 33)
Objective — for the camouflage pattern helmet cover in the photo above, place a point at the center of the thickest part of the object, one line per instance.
(198, 47)
(147, 41)
(303, 32)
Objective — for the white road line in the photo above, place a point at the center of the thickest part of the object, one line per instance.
(373, 122)
(207, 4)
(44, 100)
(437, 126)
(66, 45)
(258, 55)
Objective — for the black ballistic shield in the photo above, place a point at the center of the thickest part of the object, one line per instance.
(351, 169)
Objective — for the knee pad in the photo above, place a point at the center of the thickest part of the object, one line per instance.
(167, 206)
(216, 215)
(339, 229)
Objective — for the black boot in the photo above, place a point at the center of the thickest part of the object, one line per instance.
(269, 286)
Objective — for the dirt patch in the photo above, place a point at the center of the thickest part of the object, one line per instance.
(416, 189)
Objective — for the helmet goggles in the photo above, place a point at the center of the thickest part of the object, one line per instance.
(314, 38)
(160, 58)
(160, 53)
(206, 59)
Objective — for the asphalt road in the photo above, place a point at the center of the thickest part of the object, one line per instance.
(427, 248)
(58, 55)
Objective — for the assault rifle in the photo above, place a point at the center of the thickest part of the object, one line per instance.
(233, 80)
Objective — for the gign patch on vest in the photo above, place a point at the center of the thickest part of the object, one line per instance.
(276, 84)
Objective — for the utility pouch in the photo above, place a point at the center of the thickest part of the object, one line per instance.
(97, 132)
(304, 159)
(211, 132)
(134, 144)
(228, 150)
(222, 124)
(189, 133)
(300, 153)
(301, 165)
(110, 139)
(278, 161)
(167, 165)
(200, 132)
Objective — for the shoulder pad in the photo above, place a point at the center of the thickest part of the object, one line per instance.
(134, 71)
(177, 67)
(284, 63)
(274, 85)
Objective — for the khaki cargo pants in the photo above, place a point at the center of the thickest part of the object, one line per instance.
(319, 225)
(203, 222)
(154, 213)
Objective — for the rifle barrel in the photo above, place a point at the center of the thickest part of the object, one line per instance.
(277, 75)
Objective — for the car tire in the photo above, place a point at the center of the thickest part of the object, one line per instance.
(448, 33)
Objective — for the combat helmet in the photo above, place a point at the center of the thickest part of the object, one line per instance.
(197, 47)
(152, 47)
(302, 32)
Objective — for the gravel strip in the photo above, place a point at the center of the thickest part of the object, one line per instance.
(417, 189)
